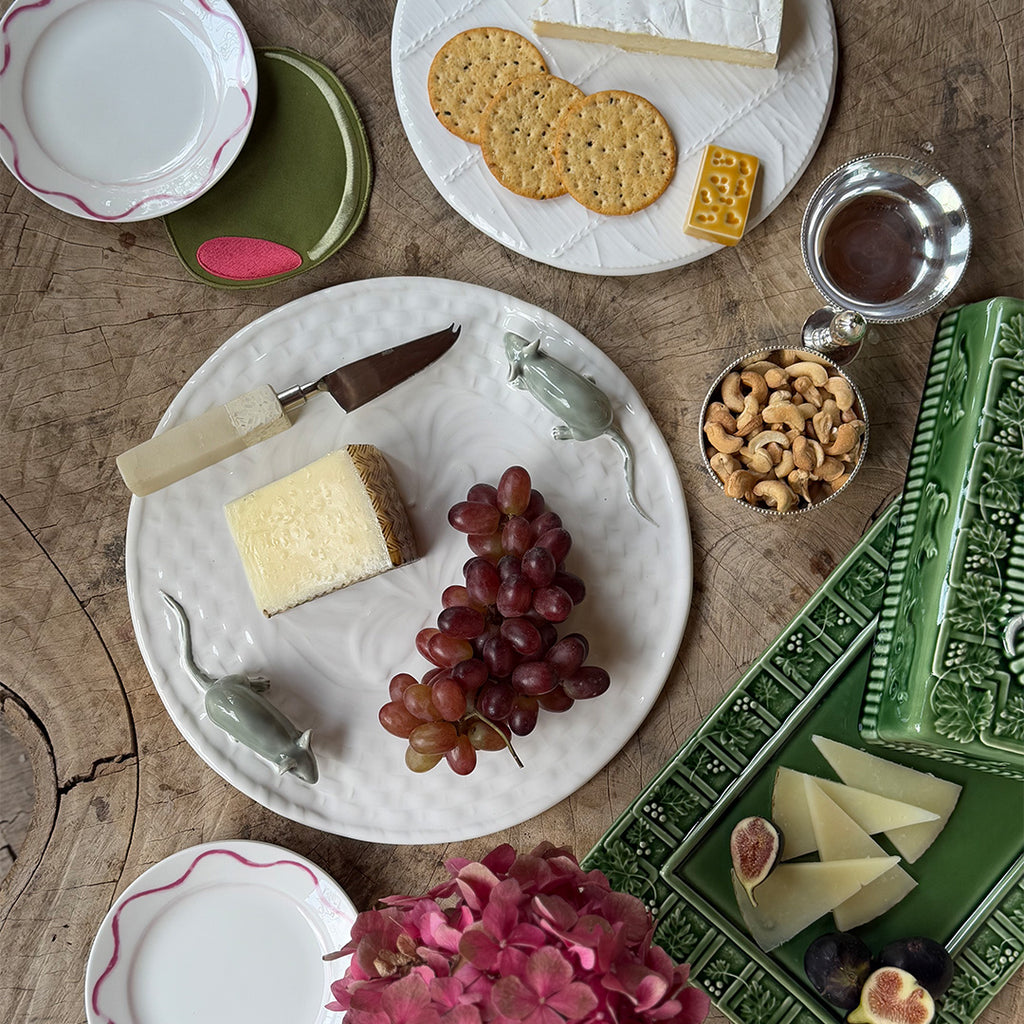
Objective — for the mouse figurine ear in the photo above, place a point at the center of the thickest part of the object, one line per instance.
(303, 741)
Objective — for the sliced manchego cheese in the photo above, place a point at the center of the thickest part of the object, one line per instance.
(332, 523)
(872, 812)
(867, 771)
(839, 837)
(796, 895)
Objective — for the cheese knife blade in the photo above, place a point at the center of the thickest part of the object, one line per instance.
(258, 414)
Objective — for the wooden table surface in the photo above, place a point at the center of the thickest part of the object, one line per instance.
(102, 325)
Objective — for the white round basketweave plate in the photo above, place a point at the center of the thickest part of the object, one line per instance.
(776, 114)
(456, 423)
(224, 932)
(121, 110)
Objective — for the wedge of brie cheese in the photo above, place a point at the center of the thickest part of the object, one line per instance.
(326, 526)
(738, 31)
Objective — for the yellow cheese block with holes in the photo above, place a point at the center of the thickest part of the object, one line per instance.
(721, 197)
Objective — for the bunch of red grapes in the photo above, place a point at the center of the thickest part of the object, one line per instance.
(498, 660)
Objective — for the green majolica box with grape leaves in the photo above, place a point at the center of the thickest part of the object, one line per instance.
(947, 673)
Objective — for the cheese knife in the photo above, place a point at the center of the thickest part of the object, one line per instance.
(261, 413)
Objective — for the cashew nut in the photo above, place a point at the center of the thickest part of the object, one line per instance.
(767, 437)
(809, 390)
(817, 372)
(761, 366)
(846, 438)
(723, 441)
(777, 377)
(840, 388)
(785, 466)
(719, 413)
(756, 383)
(785, 414)
(741, 484)
(800, 480)
(732, 395)
(758, 461)
(824, 423)
(830, 469)
(723, 464)
(807, 454)
(749, 421)
(777, 494)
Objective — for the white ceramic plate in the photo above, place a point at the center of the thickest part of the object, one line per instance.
(776, 114)
(120, 110)
(224, 933)
(330, 660)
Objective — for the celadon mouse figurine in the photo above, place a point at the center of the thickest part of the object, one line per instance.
(235, 703)
(585, 409)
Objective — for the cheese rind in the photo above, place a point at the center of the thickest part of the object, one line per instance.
(867, 771)
(839, 837)
(333, 523)
(740, 32)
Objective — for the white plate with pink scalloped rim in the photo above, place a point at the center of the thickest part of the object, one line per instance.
(330, 660)
(777, 114)
(225, 931)
(121, 110)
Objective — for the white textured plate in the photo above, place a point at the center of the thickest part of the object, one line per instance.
(224, 933)
(776, 114)
(120, 110)
(330, 660)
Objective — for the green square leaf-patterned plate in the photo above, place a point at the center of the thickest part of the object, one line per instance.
(671, 846)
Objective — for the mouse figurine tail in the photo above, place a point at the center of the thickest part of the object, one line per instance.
(627, 464)
(188, 662)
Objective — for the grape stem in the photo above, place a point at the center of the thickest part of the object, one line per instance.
(505, 739)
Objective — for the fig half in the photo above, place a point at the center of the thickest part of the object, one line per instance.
(755, 847)
(926, 959)
(837, 965)
(893, 996)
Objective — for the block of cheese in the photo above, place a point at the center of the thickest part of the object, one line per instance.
(841, 838)
(720, 202)
(738, 31)
(867, 771)
(796, 895)
(872, 812)
(332, 523)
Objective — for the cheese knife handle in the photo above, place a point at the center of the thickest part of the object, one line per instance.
(191, 446)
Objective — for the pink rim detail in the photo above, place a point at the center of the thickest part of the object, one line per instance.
(115, 924)
(81, 204)
(236, 258)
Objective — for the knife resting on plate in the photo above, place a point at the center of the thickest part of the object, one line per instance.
(258, 414)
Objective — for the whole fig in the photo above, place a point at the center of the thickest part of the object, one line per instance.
(837, 965)
(924, 958)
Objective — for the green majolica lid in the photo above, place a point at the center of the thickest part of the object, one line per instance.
(297, 191)
(947, 672)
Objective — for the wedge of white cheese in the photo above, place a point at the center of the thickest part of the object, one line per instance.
(796, 895)
(841, 838)
(332, 523)
(872, 812)
(896, 781)
(738, 31)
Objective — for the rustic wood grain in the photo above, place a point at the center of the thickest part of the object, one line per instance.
(101, 326)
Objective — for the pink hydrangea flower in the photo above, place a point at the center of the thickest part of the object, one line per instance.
(513, 939)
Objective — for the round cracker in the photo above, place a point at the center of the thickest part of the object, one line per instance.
(615, 152)
(469, 70)
(517, 133)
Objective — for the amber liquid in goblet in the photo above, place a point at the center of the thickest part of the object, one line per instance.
(873, 249)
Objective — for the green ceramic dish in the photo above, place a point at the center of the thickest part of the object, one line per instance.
(947, 672)
(297, 191)
(671, 846)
